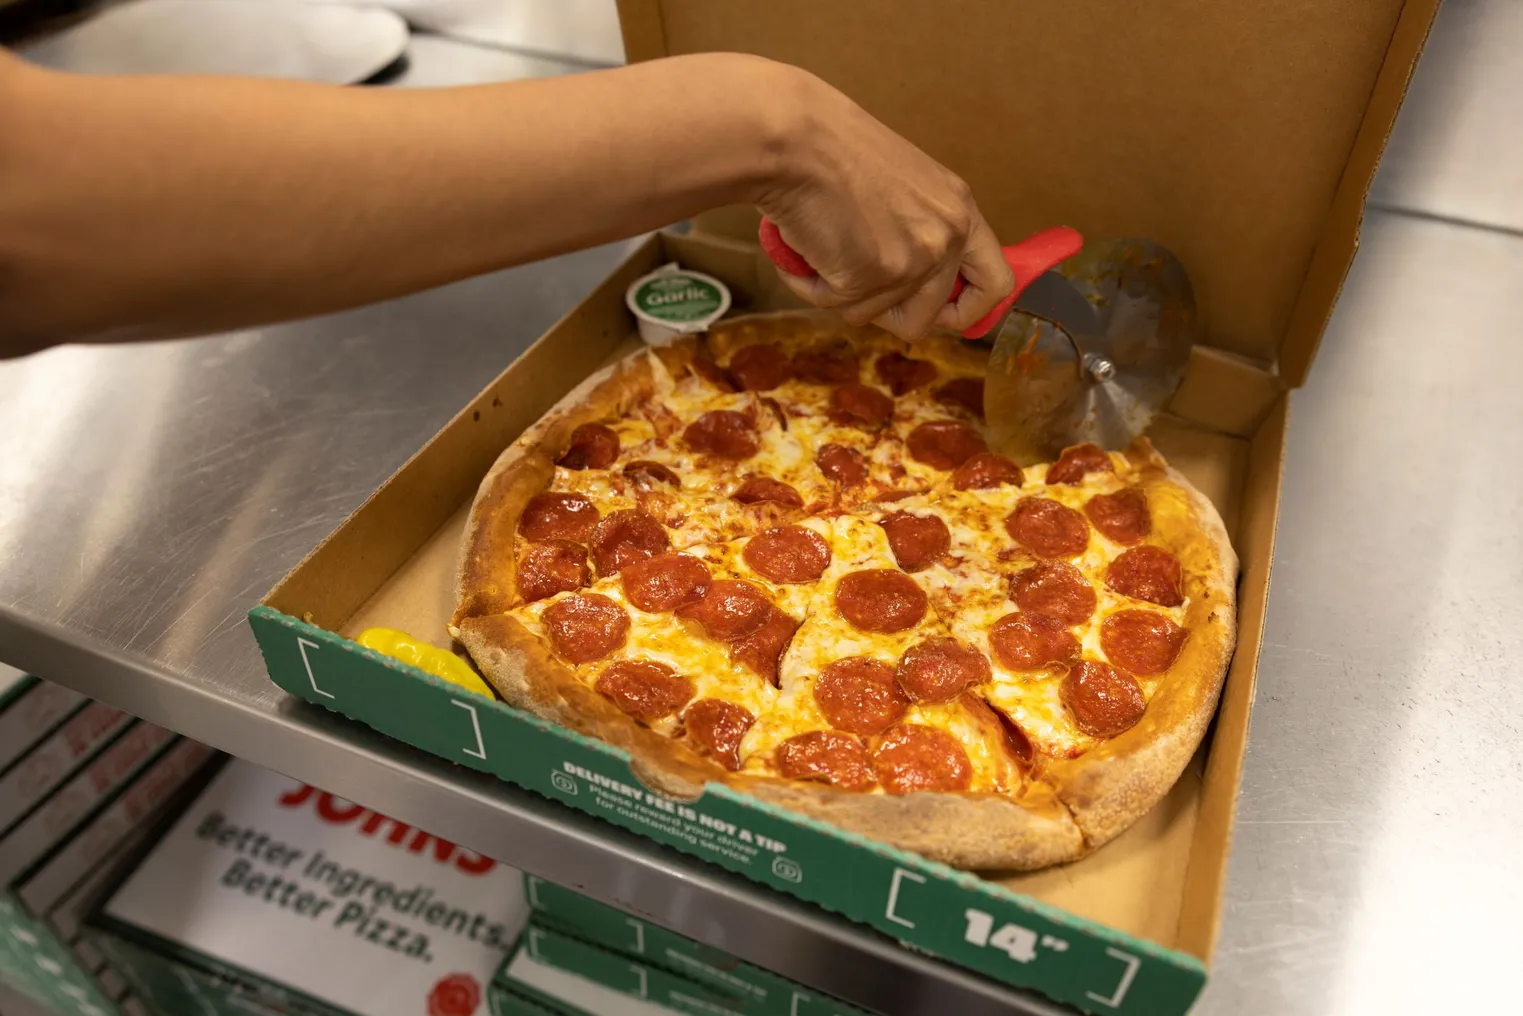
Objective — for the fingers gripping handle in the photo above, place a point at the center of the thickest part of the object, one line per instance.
(1027, 259)
(776, 248)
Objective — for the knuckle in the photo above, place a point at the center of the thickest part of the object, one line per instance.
(898, 262)
(962, 205)
(856, 316)
(960, 221)
(960, 190)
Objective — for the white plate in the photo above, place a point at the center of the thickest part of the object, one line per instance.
(262, 38)
(586, 31)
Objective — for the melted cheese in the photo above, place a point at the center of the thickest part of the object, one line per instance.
(968, 590)
(971, 591)
(826, 637)
(666, 638)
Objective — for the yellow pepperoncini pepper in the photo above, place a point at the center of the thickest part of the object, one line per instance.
(431, 659)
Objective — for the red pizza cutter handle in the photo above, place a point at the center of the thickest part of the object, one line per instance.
(1028, 259)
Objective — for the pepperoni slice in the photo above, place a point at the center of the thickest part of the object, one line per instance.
(760, 368)
(722, 433)
(585, 627)
(729, 609)
(859, 405)
(827, 366)
(717, 727)
(912, 757)
(1048, 529)
(986, 470)
(1147, 573)
(764, 488)
(1032, 642)
(664, 582)
(826, 756)
(1056, 589)
(880, 600)
(713, 373)
(788, 554)
(593, 446)
(1122, 516)
(845, 466)
(761, 652)
(916, 540)
(550, 567)
(902, 373)
(859, 695)
(626, 536)
(645, 689)
(1076, 462)
(556, 516)
(1103, 701)
(944, 444)
(1141, 641)
(939, 669)
(647, 475)
(964, 393)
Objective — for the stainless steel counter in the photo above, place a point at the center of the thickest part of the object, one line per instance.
(149, 495)
(1376, 865)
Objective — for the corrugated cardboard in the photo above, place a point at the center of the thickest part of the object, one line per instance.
(48, 764)
(537, 988)
(739, 986)
(1241, 136)
(29, 711)
(39, 912)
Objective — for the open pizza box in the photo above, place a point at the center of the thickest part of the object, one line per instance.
(1241, 136)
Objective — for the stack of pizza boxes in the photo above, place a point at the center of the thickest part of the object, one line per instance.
(269, 895)
(82, 785)
(542, 979)
(572, 940)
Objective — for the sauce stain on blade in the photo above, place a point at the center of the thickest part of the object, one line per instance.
(1044, 394)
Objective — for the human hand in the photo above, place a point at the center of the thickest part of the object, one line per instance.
(886, 227)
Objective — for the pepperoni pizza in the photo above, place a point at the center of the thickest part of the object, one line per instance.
(781, 556)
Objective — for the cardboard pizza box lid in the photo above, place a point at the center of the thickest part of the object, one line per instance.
(1242, 136)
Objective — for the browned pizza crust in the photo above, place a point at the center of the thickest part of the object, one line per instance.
(1065, 811)
(802, 328)
(1115, 783)
(526, 675)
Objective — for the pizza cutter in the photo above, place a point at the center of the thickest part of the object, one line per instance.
(1088, 347)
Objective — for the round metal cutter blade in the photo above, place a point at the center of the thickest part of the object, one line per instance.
(1104, 379)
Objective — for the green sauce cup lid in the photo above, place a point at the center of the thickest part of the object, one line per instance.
(673, 301)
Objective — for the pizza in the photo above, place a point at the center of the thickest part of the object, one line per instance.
(780, 556)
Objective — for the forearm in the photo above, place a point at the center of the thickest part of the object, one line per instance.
(133, 207)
